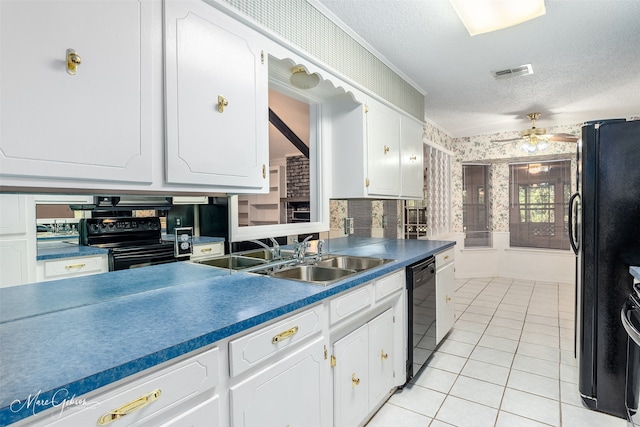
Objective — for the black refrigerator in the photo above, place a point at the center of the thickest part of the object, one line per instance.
(604, 230)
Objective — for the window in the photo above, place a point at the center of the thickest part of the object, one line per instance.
(539, 204)
(476, 206)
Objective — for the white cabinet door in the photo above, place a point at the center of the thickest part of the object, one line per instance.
(216, 100)
(383, 150)
(17, 240)
(445, 305)
(95, 124)
(286, 393)
(412, 154)
(381, 357)
(351, 378)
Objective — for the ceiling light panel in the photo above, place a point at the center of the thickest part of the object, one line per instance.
(484, 16)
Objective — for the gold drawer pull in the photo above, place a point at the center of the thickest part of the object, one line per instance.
(446, 257)
(222, 102)
(413, 158)
(447, 298)
(383, 355)
(386, 149)
(284, 335)
(74, 266)
(354, 380)
(73, 60)
(205, 250)
(130, 407)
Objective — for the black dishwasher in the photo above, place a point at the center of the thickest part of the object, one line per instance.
(421, 314)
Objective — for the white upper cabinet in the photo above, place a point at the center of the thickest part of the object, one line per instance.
(412, 158)
(216, 100)
(91, 123)
(383, 150)
(369, 144)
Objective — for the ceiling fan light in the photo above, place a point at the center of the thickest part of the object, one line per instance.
(484, 16)
(302, 80)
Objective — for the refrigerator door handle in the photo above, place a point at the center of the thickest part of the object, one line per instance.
(633, 333)
(573, 224)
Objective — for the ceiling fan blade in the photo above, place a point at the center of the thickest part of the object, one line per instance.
(506, 140)
(563, 137)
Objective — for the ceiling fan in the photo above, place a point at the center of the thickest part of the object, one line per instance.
(536, 139)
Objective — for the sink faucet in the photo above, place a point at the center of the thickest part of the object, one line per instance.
(301, 247)
(275, 250)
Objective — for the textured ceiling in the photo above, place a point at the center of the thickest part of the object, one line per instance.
(585, 56)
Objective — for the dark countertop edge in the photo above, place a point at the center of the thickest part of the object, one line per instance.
(117, 373)
(635, 272)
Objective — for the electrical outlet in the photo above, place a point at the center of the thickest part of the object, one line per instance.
(348, 226)
(178, 222)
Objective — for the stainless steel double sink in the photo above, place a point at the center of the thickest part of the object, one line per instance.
(324, 271)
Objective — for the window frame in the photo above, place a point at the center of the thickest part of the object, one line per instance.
(526, 229)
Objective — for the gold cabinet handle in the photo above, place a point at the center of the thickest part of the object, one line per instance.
(130, 407)
(447, 298)
(264, 171)
(386, 149)
(446, 257)
(354, 380)
(383, 355)
(205, 250)
(413, 158)
(222, 102)
(73, 60)
(74, 266)
(284, 335)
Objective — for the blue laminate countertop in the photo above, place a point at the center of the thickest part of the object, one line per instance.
(73, 336)
(635, 272)
(57, 249)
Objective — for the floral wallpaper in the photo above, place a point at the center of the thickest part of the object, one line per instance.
(476, 149)
(488, 149)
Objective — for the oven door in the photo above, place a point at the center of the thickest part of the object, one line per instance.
(630, 317)
(141, 256)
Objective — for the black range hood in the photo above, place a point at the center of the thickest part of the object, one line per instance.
(126, 203)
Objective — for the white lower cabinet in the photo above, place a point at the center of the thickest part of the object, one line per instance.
(445, 293)
(363, 372)
(71, 267)
(207, 250)
(17, 239)
(166, 393)
(205, 414)
(287, 393)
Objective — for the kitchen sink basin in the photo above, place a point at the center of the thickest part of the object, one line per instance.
(265, 254)
(258, 253)
(232, 262)
(313, 274)
(352, 262)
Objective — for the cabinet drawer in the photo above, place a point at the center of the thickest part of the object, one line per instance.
(249, 350)
(208, 250)
(164, 389)
(75, 266)
(389, 285)
(444, 257)
(206, 413)
(351, 303)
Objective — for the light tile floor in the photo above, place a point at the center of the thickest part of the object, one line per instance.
(507, 362)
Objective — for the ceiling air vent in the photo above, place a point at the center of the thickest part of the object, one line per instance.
(522, 70)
